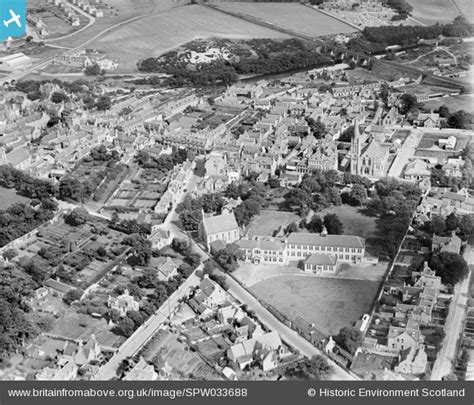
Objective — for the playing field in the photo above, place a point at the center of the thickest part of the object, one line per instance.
(330, 303)
(433, 11)
(293, 16)
(455, 103)
(156, 34)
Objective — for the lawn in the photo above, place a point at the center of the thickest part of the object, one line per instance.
(330, 303)
(79, 326)
(153, 35)
(10, 197)
(355, 222)
(293, 16)
(269, 222)
(433, 11)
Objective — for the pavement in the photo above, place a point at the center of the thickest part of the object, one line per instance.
(405, 153)
(454, 324)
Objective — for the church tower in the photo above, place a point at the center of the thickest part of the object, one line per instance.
(355, 149)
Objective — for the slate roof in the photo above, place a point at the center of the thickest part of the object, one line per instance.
(219, 223)
(304, 238)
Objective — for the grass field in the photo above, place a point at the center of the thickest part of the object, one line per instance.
(432, 11)
(355, 223)
(269, 221)
(328, 302)
(461, 102)
(154, 35)
(296, 17)
(9, 197)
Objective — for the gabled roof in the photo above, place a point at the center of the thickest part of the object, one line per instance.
(219, 223)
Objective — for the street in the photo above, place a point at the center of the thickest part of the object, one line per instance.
(405, 153)
(454, 323)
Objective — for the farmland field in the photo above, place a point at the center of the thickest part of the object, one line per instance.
(156, 34)
(432, 11)
(330, 303)
(466, 7)
(296, 17)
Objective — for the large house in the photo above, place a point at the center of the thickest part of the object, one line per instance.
(221, 227)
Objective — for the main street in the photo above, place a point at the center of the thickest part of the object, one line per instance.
(454, 322)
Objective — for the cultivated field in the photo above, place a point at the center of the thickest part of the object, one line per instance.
(466, 7)
(433, 11)
(9, 197)
(156, 34)
(293, 16)
(330, 303)
(269, 222)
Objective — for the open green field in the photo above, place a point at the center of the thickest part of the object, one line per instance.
(293, 16)
(433, 11)
(270, 221)
(330, 303)
(454, 103)
(9, 197)
(151, 36)
(355, 223)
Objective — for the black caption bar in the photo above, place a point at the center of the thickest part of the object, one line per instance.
(250, 392)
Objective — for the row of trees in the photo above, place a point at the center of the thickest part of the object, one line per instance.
(463, 225)
(376, 39)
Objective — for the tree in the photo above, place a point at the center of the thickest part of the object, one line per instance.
(229, 256)
(451, 267)
(293, 227)
(460, 119)
(466, 227)
(245, 211)
(319, 368)
(358, 195)
(58, 97)
(78, 216)
(93, 70)
(408, 103)
(438, 225)
(104, 103)
(333, 224)
(125, 327)
(443, 111)
(73, 295)
(317, 127)
(315, 225)
(349, 339)
(452, 222)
